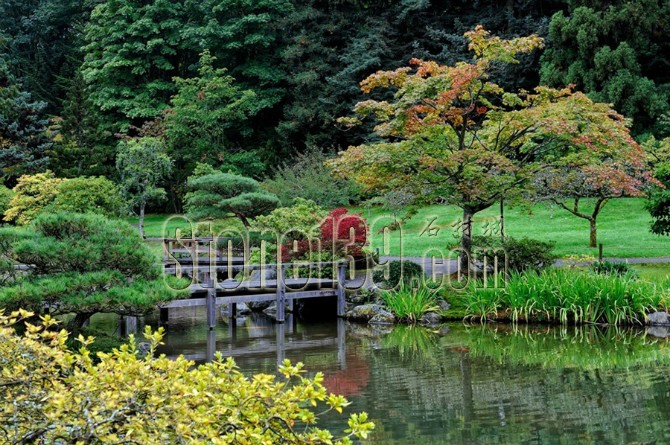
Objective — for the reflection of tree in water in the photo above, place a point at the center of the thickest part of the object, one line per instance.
(483, 385)
(350, 381)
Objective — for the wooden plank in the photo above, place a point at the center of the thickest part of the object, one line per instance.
(310, 294)
(271, 285)
(255, 298)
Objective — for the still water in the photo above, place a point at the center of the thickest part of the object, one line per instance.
(464, 384)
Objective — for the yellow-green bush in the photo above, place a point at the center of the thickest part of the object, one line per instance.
(32, 194)
(54, 396)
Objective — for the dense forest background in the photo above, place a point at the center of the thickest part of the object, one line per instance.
(250, 85)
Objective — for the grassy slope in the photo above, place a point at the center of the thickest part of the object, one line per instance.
(623, 228)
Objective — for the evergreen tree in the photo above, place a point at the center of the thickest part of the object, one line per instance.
(204, 122)
(617, 53)
(23, 139)
(133, 50)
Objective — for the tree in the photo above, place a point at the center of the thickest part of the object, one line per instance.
(82, 146)
(599, 182)
(23, 139)
(31, 195)
(658, 152)
(127, 397)
(615, 53)
(142, 164)
(204, 117)
(84, 264)
(43, 41)
(458, 138)
(133, 50)
(222, 195)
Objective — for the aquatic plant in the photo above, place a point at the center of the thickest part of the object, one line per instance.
(410, 303)
(563, 296)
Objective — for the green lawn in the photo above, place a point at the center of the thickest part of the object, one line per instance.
(623, 228)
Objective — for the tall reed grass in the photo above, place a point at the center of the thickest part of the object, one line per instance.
(410, 303)
(566, 296)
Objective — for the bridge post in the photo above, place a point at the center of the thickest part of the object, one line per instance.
(211, 307)
(166, 250)
(232, 312)
(211, 346)
(281, 294)
(280, 332)
(164, 315)
(341, 343)
(341, 306)
(212, 281)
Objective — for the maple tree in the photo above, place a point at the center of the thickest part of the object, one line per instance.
(455, 137)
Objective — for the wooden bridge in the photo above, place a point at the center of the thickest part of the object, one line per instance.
(205, 262)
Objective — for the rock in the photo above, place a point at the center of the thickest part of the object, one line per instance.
(444, 330)
(144, 348)
(242, 309)
(431, 319)
(659, 332)
(443, 305)
(360, 298)
(271, 311)
(383, 317)
(365, 312)
(259, 306)
(658, 319)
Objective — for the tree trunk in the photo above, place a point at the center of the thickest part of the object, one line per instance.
(78, 322)
(466, 241)
(141, 221)
(244, 220)
(593, 239)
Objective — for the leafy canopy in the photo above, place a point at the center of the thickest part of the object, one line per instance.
(205, 116)
(142, 164)
(458, 138)
(222, 195)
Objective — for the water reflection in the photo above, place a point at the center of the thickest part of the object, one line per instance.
(479, 384)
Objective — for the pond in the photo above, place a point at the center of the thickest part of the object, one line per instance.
(464, 384)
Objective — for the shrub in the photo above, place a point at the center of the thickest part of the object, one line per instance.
(303, 216)
(6, 196)
(84, 264)
(564, 295)
(399, 273)
(308, 177)
(409, 303)
(31, 195)
(610, 268)
(346, 232)
(522, 254)
(125, 397)
(89, 195)
(34, 194)
(341, 234)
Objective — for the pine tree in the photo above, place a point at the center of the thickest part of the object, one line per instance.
(23, 139)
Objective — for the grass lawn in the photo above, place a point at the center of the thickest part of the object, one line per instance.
(623, 228)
